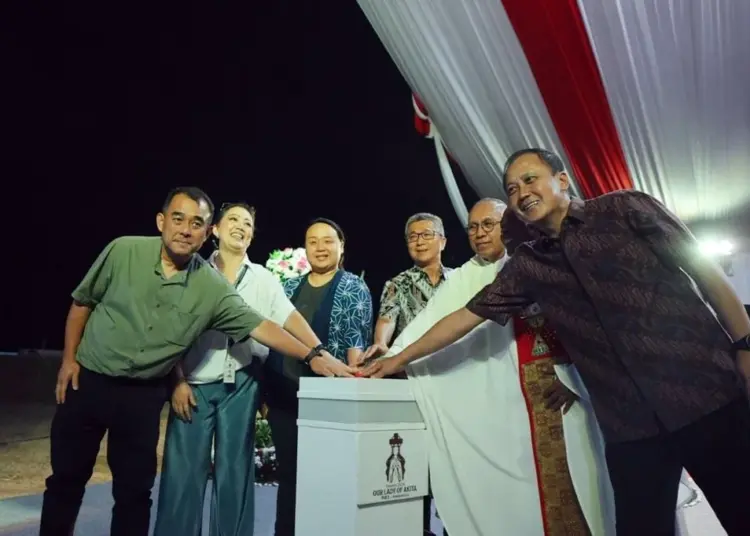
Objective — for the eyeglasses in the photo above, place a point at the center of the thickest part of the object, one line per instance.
(487, 226)
(426, 236)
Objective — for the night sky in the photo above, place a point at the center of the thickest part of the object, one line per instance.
(294, 107)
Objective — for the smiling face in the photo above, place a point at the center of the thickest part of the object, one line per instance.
(534, 191)
(323, 248)
(184, 226)
(235, 229)
(485, 234)
(425, 243)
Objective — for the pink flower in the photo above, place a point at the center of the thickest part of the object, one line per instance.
(283, 264)
(301, 264)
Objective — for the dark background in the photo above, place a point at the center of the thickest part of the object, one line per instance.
(294, 107)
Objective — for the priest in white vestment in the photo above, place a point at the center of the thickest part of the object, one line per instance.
(493, 463)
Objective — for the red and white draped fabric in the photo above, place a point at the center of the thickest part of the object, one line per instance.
(650, 95)
(427, 128)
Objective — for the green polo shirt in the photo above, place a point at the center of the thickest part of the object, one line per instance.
(141, 322)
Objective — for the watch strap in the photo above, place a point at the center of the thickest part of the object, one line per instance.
(315, 352)
(742, 344)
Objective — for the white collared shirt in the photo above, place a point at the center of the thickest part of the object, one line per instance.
(205, 361)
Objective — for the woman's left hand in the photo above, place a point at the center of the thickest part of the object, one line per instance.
(327, 365)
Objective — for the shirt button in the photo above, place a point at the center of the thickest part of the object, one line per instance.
(140, 351)
(158, 305)
(150, 328)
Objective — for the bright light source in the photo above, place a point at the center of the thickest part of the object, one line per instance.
(717, 248)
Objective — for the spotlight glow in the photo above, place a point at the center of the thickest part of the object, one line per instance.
(716, 248)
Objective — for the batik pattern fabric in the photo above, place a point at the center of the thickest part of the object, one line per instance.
(538, 352)
(616, 288)
(350, 324)
(405, 296)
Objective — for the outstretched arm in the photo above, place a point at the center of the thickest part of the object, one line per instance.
(444, 333)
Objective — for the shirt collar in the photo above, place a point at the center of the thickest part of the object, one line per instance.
(576, 213)
(497, 263)
(181, 277)
(212, 260)
(577, 210)
(417, 271)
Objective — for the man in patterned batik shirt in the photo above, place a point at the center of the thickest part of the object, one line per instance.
(405, 295)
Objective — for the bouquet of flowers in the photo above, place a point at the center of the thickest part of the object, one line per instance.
(265, 453)
(288, 263)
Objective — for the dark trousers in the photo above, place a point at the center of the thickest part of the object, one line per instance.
(129, 410)
(280, 395)
(714, 450)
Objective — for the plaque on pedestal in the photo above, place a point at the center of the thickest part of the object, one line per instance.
(362, 459)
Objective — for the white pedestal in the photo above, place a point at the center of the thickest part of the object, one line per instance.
(362, 459)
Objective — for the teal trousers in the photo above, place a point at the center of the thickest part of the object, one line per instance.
(225, 413)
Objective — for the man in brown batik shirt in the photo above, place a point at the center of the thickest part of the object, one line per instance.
(615, 277)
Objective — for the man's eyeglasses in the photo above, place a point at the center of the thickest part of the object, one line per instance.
(487, 226)
(426, 236)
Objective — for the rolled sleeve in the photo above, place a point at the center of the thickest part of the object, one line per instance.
(389, 307)
(666, 234)
(281, 306)
(235, 318)
(95, 283)
(502, 298)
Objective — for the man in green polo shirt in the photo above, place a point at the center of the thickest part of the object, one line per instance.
(139, 308)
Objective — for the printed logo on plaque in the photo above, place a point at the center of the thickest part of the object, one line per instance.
(395, 465)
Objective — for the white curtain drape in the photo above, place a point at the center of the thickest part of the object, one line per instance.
(677, 79)
(464, 61)
(446, 170)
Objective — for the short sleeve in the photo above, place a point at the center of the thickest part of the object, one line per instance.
(280, 306)
(504, 297)
(233, 317)
(389, 307)
(666, 234)
(91, 290)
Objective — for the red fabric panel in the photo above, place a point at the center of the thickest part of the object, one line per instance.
(422, 125)
(556, 44)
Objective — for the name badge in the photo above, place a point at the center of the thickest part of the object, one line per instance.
(230, 367)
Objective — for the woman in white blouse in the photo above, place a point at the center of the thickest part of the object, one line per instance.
(218, 399)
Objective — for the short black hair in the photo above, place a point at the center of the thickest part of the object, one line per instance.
(194, 193)
(553, 161)
(225, 207)
(337, 228)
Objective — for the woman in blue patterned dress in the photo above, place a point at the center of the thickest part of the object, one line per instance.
(338, 306)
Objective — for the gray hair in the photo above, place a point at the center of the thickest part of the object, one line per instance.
(425, 216)
(499, 204)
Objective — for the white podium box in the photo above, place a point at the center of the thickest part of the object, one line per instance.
(361, 459)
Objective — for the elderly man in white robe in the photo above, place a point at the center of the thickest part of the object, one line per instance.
(493, 467)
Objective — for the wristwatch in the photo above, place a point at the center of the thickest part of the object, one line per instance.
(315, 352)
(742, 344)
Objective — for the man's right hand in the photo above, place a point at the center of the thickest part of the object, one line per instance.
(68, 374)
(373, 352)
(183, 401)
